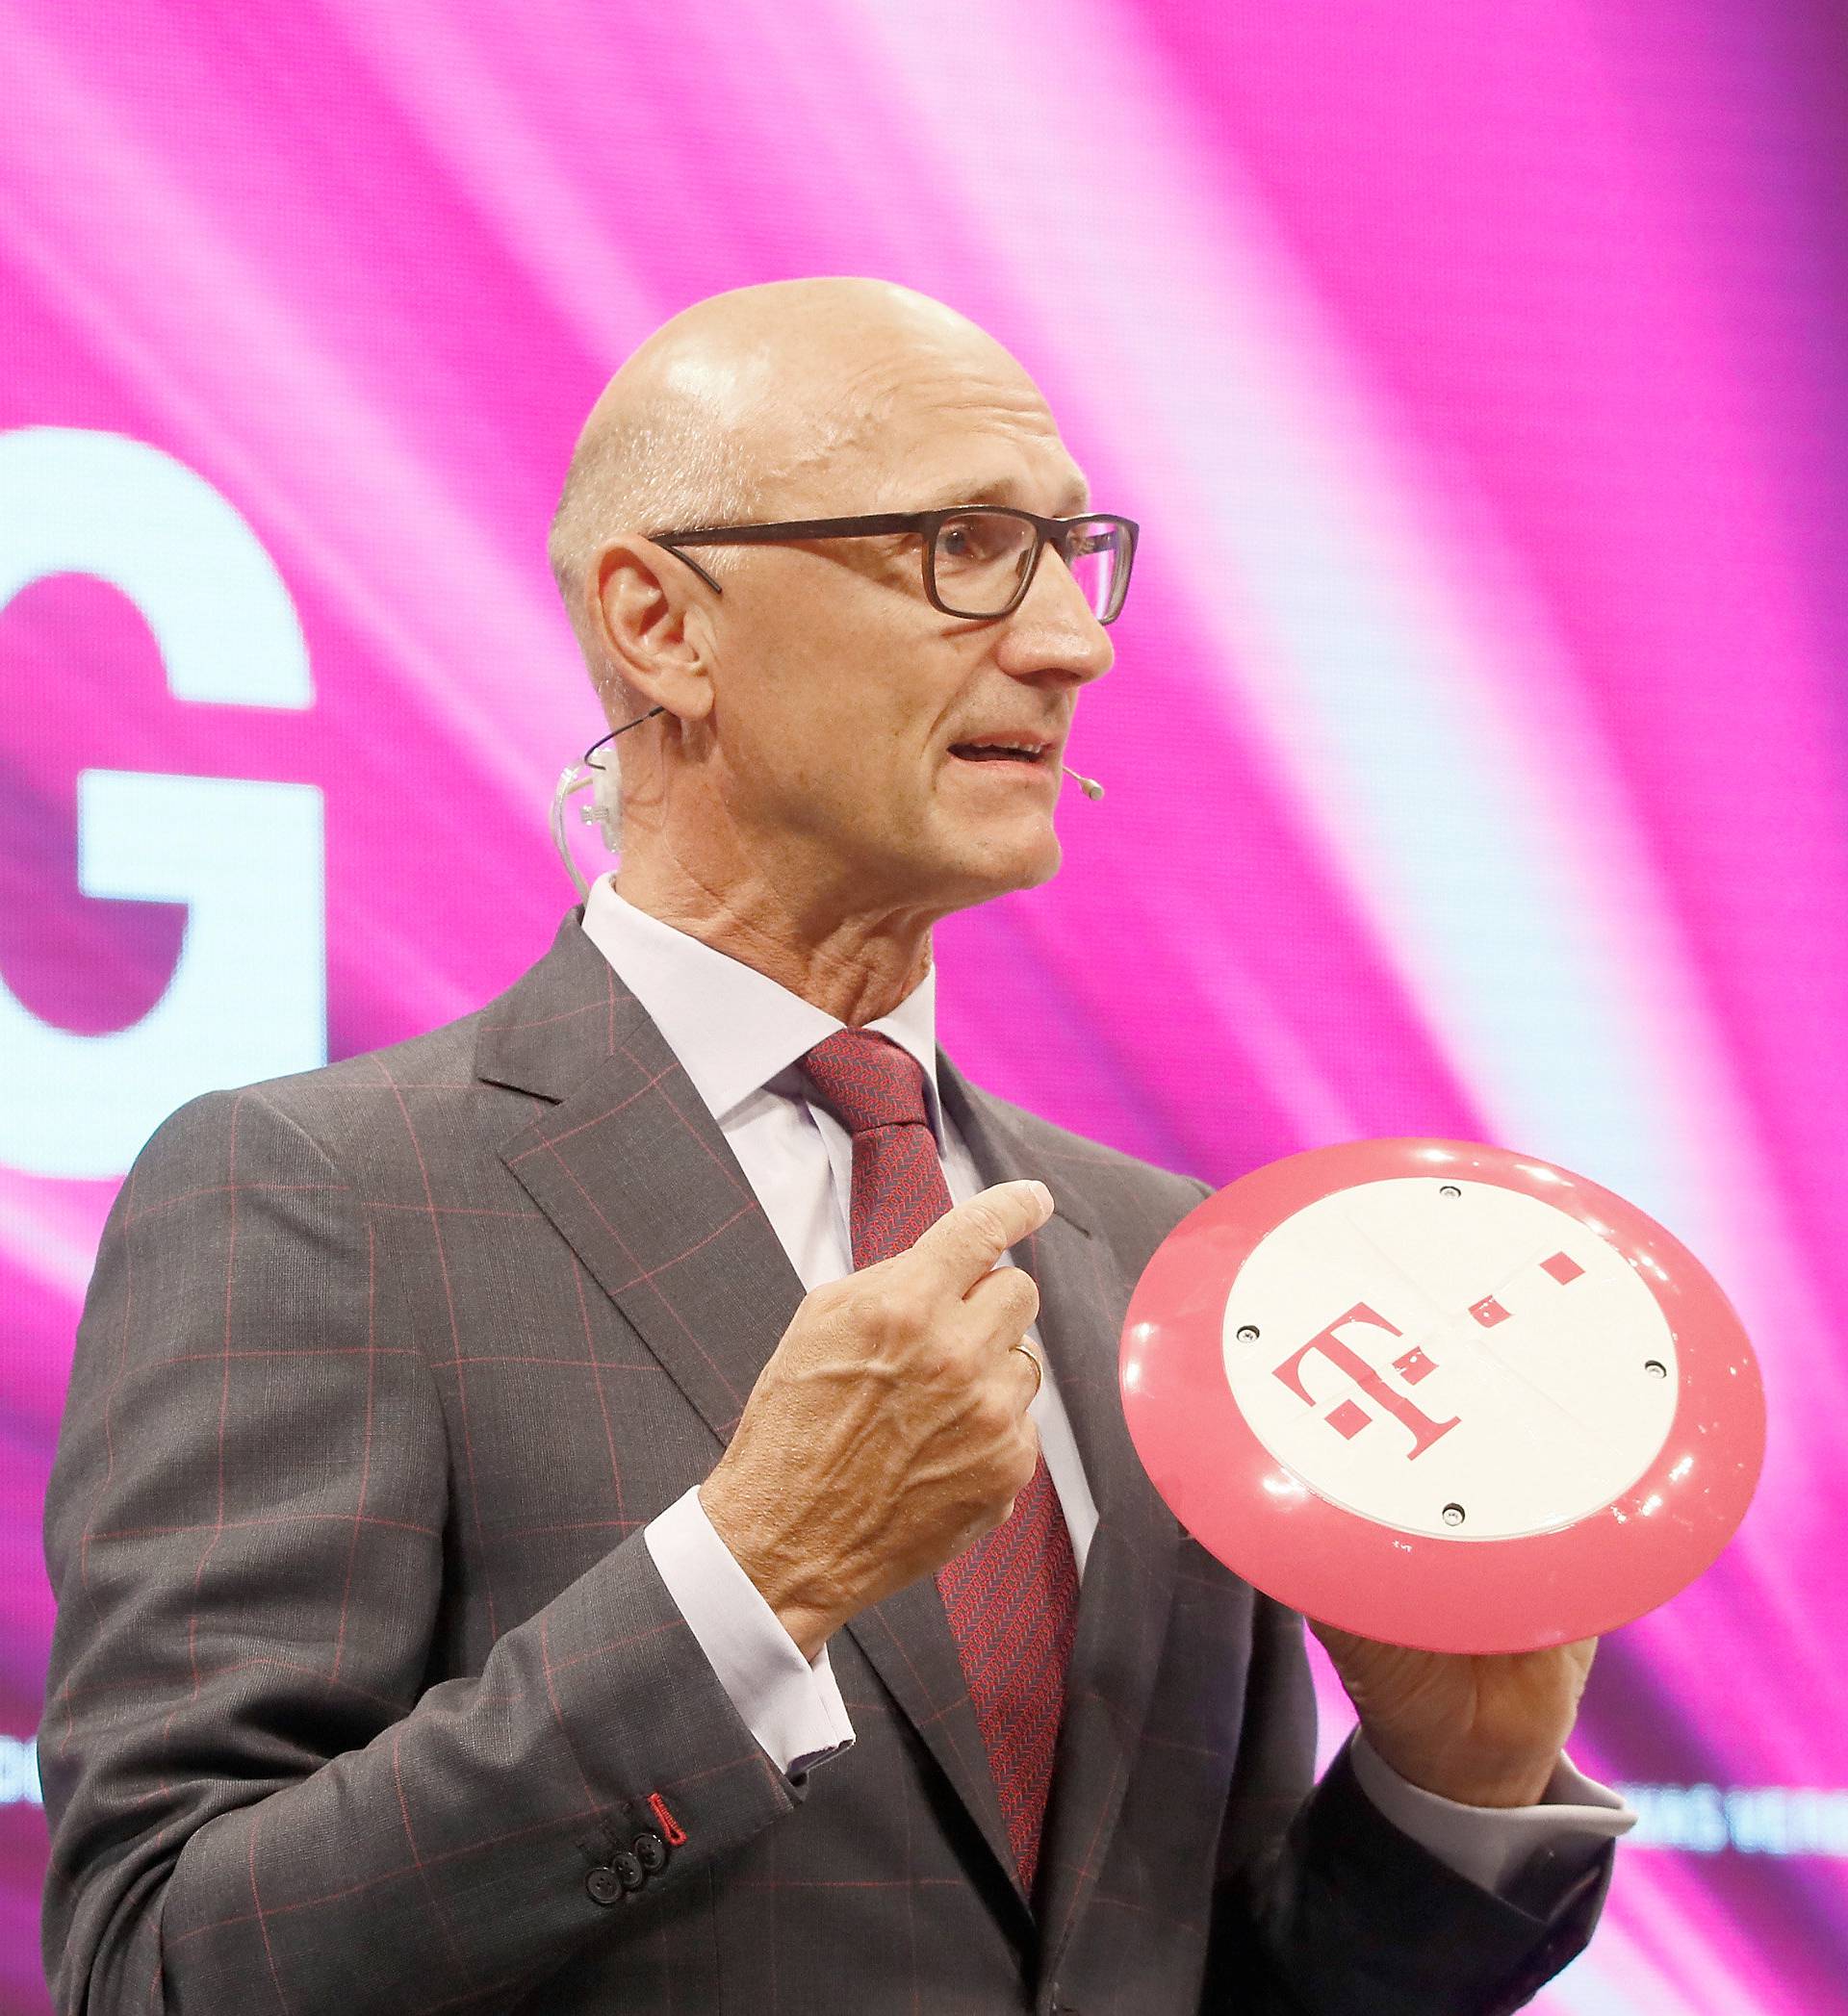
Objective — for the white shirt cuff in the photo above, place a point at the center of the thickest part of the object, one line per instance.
(1491, 1846)
(792, 1708)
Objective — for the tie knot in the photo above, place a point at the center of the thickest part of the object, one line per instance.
(867, 1081)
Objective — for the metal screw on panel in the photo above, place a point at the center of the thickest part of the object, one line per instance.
(1452, 1514)
(1448, 1190)
(1656, 1369)
(1247, 1333)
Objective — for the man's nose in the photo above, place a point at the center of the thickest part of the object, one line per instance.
(1054, 635)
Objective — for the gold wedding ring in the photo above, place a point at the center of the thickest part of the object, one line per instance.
(1032, 1357)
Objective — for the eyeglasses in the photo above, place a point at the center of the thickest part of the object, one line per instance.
(979, 559)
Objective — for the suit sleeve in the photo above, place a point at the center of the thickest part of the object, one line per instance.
(1326, 1908)
(256, 1802)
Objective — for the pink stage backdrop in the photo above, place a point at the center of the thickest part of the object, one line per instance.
(1477, 750)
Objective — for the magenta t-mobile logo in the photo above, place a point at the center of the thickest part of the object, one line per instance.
(1347, 1417)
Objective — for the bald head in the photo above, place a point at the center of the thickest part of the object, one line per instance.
(736, 408)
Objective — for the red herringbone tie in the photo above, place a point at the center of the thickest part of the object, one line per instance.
(1013, 1597)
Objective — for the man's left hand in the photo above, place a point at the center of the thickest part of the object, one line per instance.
(1482, 1730)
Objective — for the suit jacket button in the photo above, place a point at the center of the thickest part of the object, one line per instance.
(604, 1886)
(651, 1852)
(628, 1872)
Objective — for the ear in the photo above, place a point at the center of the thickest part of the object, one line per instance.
(648, 611)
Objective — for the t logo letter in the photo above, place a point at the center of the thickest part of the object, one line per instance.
(1349, 1419)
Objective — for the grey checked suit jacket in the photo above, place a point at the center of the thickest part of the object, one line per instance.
(365, 1686)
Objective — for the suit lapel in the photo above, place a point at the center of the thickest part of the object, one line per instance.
(633, 1170)
(907, 1641)
(1129, 1574)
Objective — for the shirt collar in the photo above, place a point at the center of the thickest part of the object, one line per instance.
(732, 1028)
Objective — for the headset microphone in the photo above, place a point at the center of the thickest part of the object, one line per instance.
(1089, 785)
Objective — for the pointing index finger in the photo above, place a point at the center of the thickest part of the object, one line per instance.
(965, 1243)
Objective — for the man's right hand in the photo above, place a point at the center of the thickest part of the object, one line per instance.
(890, 1428)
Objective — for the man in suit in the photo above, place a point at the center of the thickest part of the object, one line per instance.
(570, 1513)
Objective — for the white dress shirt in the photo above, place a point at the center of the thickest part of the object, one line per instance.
(739, 1037)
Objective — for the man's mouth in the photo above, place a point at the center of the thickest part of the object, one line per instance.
(1002, 749)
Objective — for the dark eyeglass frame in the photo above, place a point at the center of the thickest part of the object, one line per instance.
(1059, 533)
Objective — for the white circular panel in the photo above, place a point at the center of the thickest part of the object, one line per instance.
(1451, 1358)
